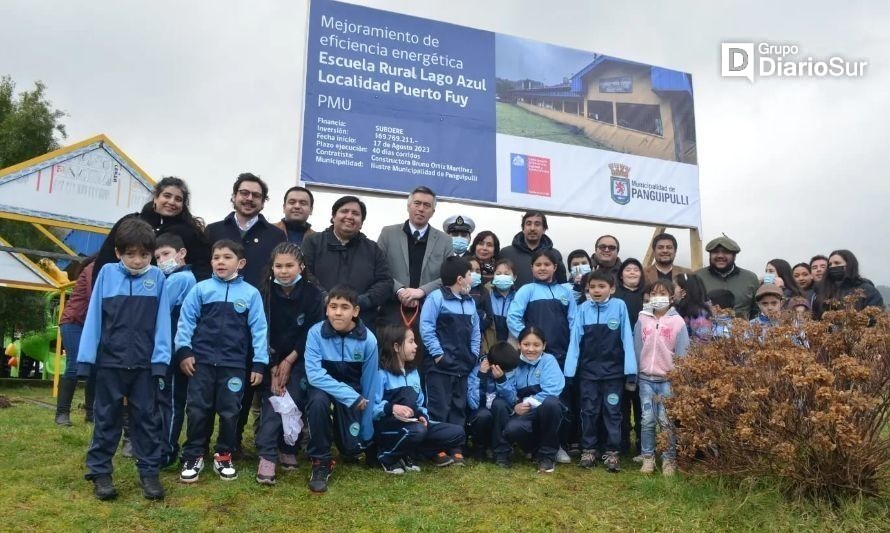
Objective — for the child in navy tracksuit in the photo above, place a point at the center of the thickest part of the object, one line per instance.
(170, 256)
(533, 390)
(402, 426)
(490, 402)
(341, 367)
(293, 305)
(126, 335)
(449, 327)
(602, 358)
(549, 306)
(220, 320)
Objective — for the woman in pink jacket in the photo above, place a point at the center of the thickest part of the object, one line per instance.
(659, 336)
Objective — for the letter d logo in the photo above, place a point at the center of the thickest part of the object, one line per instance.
(737, 60)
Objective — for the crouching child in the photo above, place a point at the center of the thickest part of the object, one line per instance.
(490, 402)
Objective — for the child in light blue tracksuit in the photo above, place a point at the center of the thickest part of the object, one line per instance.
(490, 403)
(602, 358)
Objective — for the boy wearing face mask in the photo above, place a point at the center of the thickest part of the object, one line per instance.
(126, 335)
(601, 357)
(170, 257)
(579, 266)
(449, 328)
(460, 229)
(660, 335)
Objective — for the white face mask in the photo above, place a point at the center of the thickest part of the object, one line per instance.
(168, 265)
(137, 272)
(526, 360)
(659, 302)
(291, 284)
(233, 276)
(580, 270)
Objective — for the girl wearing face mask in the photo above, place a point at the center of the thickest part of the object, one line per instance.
(293, 304)
(500, 296)
(842, 279)
(778, 272)
(534, 389)
(659, 337)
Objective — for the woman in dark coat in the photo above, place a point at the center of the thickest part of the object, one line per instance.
(841, 280)
(167, 212)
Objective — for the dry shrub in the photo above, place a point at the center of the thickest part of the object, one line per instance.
(758, 405)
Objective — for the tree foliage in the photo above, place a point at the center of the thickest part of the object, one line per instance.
(29, 126)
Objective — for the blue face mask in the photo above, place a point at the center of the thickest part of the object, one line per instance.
(580, 270)
(527, 361)
(460, 244)
(291, 284)
(475, 279)
(502, 282)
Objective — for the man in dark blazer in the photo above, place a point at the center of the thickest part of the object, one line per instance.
(414, 251)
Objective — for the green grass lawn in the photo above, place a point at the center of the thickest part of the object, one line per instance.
(42, 488)
(513, 120)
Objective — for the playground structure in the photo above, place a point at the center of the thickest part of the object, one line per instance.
(72, 196)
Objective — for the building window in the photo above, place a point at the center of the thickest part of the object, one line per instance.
(571, 107)
(600, 111)
(640, 117)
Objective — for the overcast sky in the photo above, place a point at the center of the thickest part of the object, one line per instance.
(788, 167)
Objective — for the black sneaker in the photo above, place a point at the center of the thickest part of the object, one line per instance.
(321, 472)
(588, 459)
(546, 466)
(503, 461)
(63, 419)
(442, 459)
(458, 459)
(103, 488)
(396, 468)
(191, 469)
(151, 488)
(409, 464)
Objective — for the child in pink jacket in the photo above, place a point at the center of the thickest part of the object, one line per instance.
(659, 336)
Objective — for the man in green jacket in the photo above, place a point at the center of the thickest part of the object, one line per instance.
(722, 273)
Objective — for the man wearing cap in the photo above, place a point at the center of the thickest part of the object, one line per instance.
(415, 252)
(722, 273)
(664, 248)
(460, 229)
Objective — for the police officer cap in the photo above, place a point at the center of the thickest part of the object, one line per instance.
(723, 242)
(458, 223)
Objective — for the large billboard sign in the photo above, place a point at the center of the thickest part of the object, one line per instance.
(395, 101)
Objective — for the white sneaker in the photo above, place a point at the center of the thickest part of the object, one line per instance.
(562, 457)
(638, 459)
(191, 469)
(222, 463)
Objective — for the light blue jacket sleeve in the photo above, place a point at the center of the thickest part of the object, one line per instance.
(552, 380)
(259, 331)
(576, 332)
(92, 325)
(473, 388)
(377, 402)
(370, 383)
(429, 314)
(419, 409)
(573, 309)
(162, 352)
(476, 335)
(516, 313)
(188, 318)
(176, 288)
(319, 378)
(627, 339)
(507, 389)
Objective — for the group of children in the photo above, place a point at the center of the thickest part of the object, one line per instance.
(545, 367)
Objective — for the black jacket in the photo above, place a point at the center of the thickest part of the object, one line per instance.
(195, 242)
(521, 256)
(360, 263)
(259, 241)
(870, 296)
(633, 299)
(290, 316)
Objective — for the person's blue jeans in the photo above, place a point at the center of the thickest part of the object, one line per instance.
(71, 341)
(652, 394)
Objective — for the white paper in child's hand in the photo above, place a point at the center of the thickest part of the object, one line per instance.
(405, 419)
(489, 399)
(531, 400)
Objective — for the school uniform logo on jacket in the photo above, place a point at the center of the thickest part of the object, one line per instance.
(613, 324)
(357, 356)
(354, 429)
(612, 399)
(148, 284)
(301, 319)
(234, 384)
(161, 384)
(240, 305)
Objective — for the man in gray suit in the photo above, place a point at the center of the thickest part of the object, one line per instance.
(415, 252)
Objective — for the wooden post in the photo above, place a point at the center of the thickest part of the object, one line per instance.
(59, 345)
(650, 253)
(695, 249)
